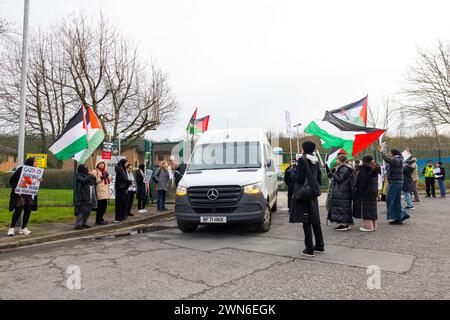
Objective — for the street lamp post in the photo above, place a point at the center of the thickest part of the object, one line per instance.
(23, 85)
(298, 139)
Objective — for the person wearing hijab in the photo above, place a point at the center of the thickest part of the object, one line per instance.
(341, 210)
(103, 179)
(141, 189)
(121, 186)
(85, 182)
(21, 202)
(307, 211)
(394, 173)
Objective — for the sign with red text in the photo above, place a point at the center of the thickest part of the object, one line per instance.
(30, 180)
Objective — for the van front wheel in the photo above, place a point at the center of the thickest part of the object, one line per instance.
(186, 227)
(264, 225)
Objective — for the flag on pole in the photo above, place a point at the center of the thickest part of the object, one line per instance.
(95, 135)
(191, 122)
(337, 133)
(355, 112)
(330, 157)
(73, 138)
(199, 126)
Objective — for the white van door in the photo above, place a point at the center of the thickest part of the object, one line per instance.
(270, 175)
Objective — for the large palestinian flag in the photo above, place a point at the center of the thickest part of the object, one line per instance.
(199, 126)
(337, 133)
(73, 139)
(355, 112)
(95, 135)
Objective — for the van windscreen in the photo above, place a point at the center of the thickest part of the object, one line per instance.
(226, 155)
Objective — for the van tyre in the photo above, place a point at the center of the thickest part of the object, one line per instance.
(187, 227)
(264, 225)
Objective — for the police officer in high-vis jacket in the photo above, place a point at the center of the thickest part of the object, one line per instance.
(429, 179)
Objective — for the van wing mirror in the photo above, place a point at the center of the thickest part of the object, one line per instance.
(269, 163)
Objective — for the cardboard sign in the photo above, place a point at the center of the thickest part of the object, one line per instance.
(148, 176)
(30, 180)
(41, 159)
(406, 155)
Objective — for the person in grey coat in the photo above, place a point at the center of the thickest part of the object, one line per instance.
(161, 178)
(341, 194)
(85, 183)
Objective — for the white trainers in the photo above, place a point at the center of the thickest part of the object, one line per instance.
(10, 232)
(366, 230)
(25, 231)
(141, 211)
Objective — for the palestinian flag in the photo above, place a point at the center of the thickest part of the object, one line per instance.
(355, 112)
(337, 133)
(199, 126)
(72, 140)
(330, 157)
(191, 122)
(95, 135)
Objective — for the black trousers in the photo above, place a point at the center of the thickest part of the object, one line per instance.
(309, 229)
(290, 195)
(130, 200)
(121, 204)
(26, 216)
(142, 203)
(101, 209)
(429, 183)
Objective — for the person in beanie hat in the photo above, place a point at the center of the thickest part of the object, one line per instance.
(83, 204)
(307, 211)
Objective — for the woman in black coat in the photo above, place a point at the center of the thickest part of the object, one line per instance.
(340, 210)
(141, 189)
(85, 182)
(121, 185)
(22, 202)
(365, 195)
(307, 211)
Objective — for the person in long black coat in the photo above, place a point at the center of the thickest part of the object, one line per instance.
(340, 210)
(307, 211)
(365, 194)
(121, 185)
(85, 182)
(141, 189)
(22, 202)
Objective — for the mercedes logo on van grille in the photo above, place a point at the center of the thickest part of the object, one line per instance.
(212, 194)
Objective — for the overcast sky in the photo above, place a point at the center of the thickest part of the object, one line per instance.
(250, 60)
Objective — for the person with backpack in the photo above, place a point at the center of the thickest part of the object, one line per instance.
(289, 180)
(440, 177)
(161, 178)
(305, 204)
(428, 172)
(408, 184)
(394, 174)
(365, 194)
(343, 180)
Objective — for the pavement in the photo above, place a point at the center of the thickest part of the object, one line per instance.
(411, 261)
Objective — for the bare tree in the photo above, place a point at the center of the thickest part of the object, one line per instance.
(427, 96)
(382, 117)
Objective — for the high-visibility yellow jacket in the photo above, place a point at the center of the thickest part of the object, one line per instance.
(428, 172)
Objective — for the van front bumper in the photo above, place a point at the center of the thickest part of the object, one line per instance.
(249, 210)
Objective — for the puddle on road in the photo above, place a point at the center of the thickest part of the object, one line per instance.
(126, 233)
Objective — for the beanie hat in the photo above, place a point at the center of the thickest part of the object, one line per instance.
(308, 147)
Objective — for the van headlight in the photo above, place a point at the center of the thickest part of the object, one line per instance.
(181, 191)
(255, 188)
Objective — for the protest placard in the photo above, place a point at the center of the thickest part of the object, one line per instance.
(30, 180)
(148, 176)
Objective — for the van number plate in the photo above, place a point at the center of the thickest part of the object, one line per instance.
(213, 219)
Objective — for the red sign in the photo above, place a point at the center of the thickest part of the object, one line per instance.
(106, 155)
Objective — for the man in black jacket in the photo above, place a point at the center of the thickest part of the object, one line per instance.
(121, 186)
(394, 168)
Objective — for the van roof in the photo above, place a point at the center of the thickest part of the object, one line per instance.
(232, 135)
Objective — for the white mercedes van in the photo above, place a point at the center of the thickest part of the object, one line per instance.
(230, 179)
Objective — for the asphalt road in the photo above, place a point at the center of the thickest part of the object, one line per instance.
(237, 263)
